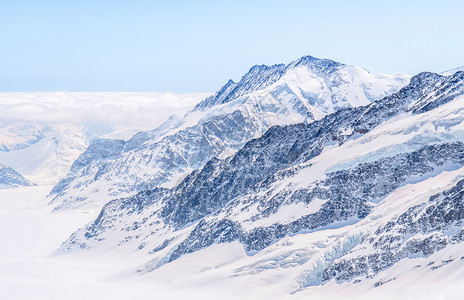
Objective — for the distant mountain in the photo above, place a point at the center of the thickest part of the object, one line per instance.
(10, 178)
(43, 133)
(452, 71)
(19, 135)
(303, 91)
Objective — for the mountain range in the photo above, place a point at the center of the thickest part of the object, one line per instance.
(301, 178)
(335, 172)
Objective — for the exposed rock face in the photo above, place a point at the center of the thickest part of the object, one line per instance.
(346, 194)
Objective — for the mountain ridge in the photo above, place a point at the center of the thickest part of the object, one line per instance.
(222, 124)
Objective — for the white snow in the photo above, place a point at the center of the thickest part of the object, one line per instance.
(286, 214)
(30, 233)
(356, 87)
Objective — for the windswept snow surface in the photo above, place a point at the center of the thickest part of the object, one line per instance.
(29, 268)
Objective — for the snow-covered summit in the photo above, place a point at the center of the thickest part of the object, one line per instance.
(324, 84)
(285, 181)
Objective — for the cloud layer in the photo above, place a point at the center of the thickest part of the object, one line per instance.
(131, 109)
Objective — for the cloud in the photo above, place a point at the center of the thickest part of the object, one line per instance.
(131, 109)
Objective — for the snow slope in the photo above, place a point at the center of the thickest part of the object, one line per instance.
(27, 271)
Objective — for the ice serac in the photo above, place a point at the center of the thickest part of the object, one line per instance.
(10, 178)
(303, 91)
(336, 172)
(420, 231)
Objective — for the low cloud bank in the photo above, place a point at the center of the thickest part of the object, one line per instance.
(132, 109)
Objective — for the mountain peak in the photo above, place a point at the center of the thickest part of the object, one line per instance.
(258, 77)
(262, 76)
(314, 62)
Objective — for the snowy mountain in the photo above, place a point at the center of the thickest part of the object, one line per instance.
(452, 71)
(340, 199)
(308, 180)
(42, 134)
(10, 178)
(303, 91)
(19, 135)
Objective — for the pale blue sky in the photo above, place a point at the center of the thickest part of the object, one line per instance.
(188, 46)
